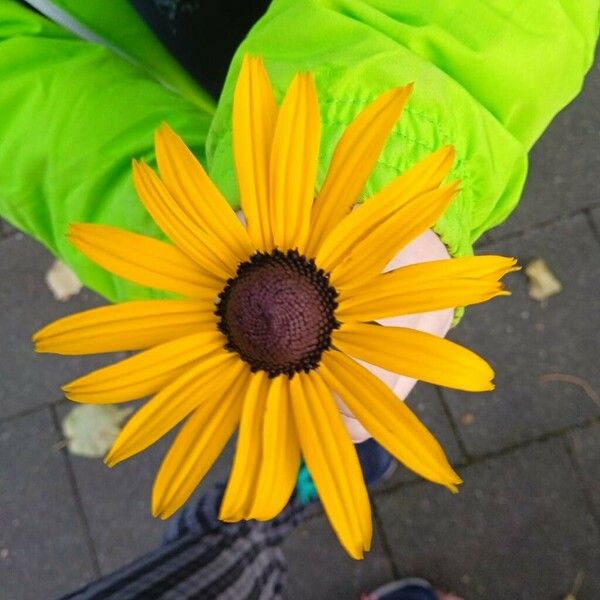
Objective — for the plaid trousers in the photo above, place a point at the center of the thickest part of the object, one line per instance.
(203, 558)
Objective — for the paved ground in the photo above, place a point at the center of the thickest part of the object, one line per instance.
(527, 519)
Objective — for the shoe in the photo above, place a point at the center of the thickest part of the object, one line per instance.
(377, 464)
(411, 588)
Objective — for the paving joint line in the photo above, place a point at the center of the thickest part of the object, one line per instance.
(453, 425)
(31, 411)
(578, 468)
(592, 224)
(381, 490)
(87, 533)
(558, 433)
(387, 549)
(320, 513)
(533, 227)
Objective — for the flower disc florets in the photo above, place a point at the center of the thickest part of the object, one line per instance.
(278, 312)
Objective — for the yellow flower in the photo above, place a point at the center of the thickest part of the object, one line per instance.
(274, 313)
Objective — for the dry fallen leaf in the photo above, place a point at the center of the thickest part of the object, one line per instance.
(572, 595)
(91, 429)
(61, 280)
(542, 282)
(468, 419)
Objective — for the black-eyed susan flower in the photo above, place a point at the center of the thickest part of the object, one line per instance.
(274, 313)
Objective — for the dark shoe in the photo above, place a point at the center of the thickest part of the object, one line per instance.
(405, 589)
(377, 464)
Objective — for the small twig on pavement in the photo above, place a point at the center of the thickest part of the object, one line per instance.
(57, 446)
(572, 595)
(585, 385)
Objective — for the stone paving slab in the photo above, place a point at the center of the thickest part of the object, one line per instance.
(29, 380)
(525, 340)
(564, 164)
(319, 569)
(116, 501)
(520, 529)
(585, 445)
(6, 229)
(43, 549)
(427, 405)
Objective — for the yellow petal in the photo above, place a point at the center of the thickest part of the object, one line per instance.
(415, 354)
(254, 118)
(293, 168)
(280, 454)
(196, 448)
(127, 326)
(353, 159)
(370, 255)
(143, 260)
(188, 183)
(207, 379)
(146, 372)
(426, 286)
(212, 255)
(423, 177)
(387, 418)
(486, 267)
(332, 461)
(402, 297)
(241, 487)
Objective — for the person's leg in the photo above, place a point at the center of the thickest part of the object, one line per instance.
(376, 462)
(201, 557)
(197, 545)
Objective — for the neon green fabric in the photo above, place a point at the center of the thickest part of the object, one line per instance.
(117, 22)
(489, 77)
(73, 116)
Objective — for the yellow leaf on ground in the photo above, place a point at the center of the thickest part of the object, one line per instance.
(542, 282)
(61, 280)
(91, 429)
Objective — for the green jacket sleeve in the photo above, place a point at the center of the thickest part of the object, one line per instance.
(73, 115)
(120, 27)
(489, 76)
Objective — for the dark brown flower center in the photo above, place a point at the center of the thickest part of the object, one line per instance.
(278, 312)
